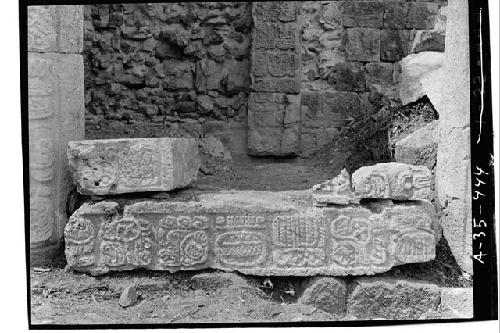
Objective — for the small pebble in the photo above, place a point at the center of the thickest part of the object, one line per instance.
(128, 297)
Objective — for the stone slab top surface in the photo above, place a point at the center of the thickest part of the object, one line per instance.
(103, 167)
(259, 233)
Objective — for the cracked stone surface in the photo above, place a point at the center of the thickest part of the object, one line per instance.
(101, 167)
(259, 233)
(335, 191)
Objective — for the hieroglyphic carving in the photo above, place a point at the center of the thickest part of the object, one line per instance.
(182, 240)
(335, 191)
(240, 221)
(79, 234)
(298, 241)
(416, 246)
(241, 248)
(115, 166)
(126, 241)
(392, 181)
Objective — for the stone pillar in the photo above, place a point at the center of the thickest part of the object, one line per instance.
(274, 103)
(453, 158)
(56, 116)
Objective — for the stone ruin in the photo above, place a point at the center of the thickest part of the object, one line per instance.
(366, 224)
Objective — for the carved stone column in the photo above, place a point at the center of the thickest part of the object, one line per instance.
(453, 158)
(56, 116)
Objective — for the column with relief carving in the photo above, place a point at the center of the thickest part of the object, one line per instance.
(56, 116)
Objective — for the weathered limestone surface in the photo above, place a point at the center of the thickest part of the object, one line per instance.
(259, 233)
(326, 293)
(55, 29)
(115, 166)
(335, 191)
(453, 157)
(432, 40)
(457, 303)
(387, 298)
(274, 106)
(273, 124)
(420, 147)
(422, 75)
(55, 116)
(392, 181)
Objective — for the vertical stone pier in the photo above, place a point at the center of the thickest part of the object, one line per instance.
(274, 103)
(453, 157)
(56, 116)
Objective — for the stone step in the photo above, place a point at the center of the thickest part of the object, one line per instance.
(259, 233)
(101, 167)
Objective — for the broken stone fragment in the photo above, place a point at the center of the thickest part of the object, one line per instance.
(101, 167)
(336, 191)
(326, 293)
(387, 298)
(393, 180)
(128, 297)
(457, 303)
(253, 232)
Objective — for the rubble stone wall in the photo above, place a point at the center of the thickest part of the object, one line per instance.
(188, 64)
(169, 63)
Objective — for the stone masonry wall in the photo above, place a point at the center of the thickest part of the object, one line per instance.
(184, 63)
(192, 65)
(350, 52)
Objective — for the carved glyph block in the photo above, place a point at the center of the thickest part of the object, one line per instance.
(260, 233)
(55, 29)
(392, 181)
(55, 116)
(115, 166)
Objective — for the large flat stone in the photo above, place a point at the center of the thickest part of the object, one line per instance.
(387, 298)
(259, 233)
(102, 167)
(326, 293)
(420, 147)
(393, 180)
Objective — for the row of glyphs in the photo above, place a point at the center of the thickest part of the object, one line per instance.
(244, 241)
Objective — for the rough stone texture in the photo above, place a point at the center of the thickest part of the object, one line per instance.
(326, 293)
(421, 15)
(394, 44)
(128, 297)
(273, 124)
(395, 14)
(335, 191)
(55, 116)
(55, 29)
(276, 47)
(422, 75)
(363, 44)
(390, 299)
(102, 167)
(322, 115)
(362, 14)
(457, 303)
(393, 180)
(259, 233)
(420, 147)
(453, 157)
(431, 40)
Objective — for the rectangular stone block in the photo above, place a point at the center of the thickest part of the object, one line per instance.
(273, 124)
(348, 76)
(421, 15)
(394, 44)
(392, 181)
(363, 14)
(363, 44)
(284, 11)
(395, 14)
(258, 233)
(102, 167)
(55, 29)
(55, 116)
